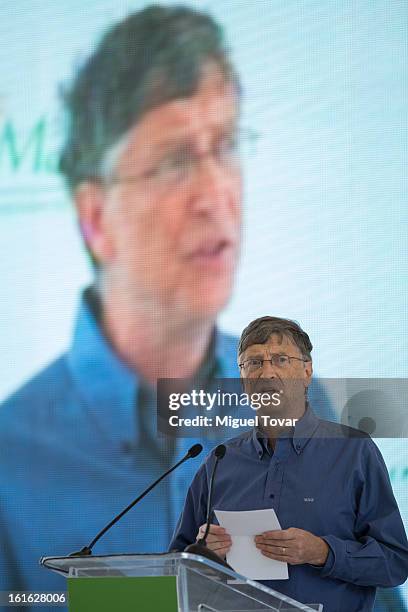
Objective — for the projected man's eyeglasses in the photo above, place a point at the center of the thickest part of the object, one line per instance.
(180, 162)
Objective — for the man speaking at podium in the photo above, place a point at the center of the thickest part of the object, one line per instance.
(342, 535)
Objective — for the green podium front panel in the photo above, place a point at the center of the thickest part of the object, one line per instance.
(123, 594)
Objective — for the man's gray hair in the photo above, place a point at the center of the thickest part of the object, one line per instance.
(260, 330)
(151, 57)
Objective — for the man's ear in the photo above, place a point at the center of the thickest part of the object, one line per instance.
(89, 200)
(308, 372)
(243, 382)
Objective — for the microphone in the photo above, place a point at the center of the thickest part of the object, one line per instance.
(219, 454)
(200, 546)
(86, 551)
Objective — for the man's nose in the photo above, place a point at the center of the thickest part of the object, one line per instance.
(213, 186)
(269, 370)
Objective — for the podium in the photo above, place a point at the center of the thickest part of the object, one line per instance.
(170, 582)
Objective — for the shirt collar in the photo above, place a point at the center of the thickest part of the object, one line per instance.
(108, 386)
(225, 350)
(303, 431)
(106, 383)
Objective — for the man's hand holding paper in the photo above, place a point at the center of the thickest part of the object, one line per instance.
(293, 546)
(218, 540)
(244, 556)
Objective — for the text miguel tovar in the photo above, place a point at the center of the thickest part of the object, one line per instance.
(229, 421)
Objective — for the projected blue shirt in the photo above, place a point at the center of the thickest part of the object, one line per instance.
(74, 452)
(337, 488)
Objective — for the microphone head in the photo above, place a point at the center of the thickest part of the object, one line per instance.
(220, 451)
(194, 451)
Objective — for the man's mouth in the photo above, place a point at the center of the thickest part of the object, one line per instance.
(263, 386)
(214, 251)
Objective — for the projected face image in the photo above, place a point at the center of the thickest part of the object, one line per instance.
(276, 366)
(172, 209)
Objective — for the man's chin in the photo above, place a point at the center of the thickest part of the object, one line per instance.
(208, 301)
(275, 412)
(206, 309)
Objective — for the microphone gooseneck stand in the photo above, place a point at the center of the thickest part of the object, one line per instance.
(200, 546)
(86, 551)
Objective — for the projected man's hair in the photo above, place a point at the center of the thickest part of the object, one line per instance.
(151, 57)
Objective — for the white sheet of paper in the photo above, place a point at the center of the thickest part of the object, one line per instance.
(244, 557)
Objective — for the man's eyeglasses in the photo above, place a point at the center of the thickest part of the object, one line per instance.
(277, 359)
(179, 164)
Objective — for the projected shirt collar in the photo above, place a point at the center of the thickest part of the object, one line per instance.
(108, 386)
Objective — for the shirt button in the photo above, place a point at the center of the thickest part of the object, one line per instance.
(272, 495)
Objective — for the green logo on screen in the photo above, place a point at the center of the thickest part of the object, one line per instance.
(28, 151)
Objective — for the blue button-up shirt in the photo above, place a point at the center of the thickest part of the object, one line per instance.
(72, 456)
(321, 480)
